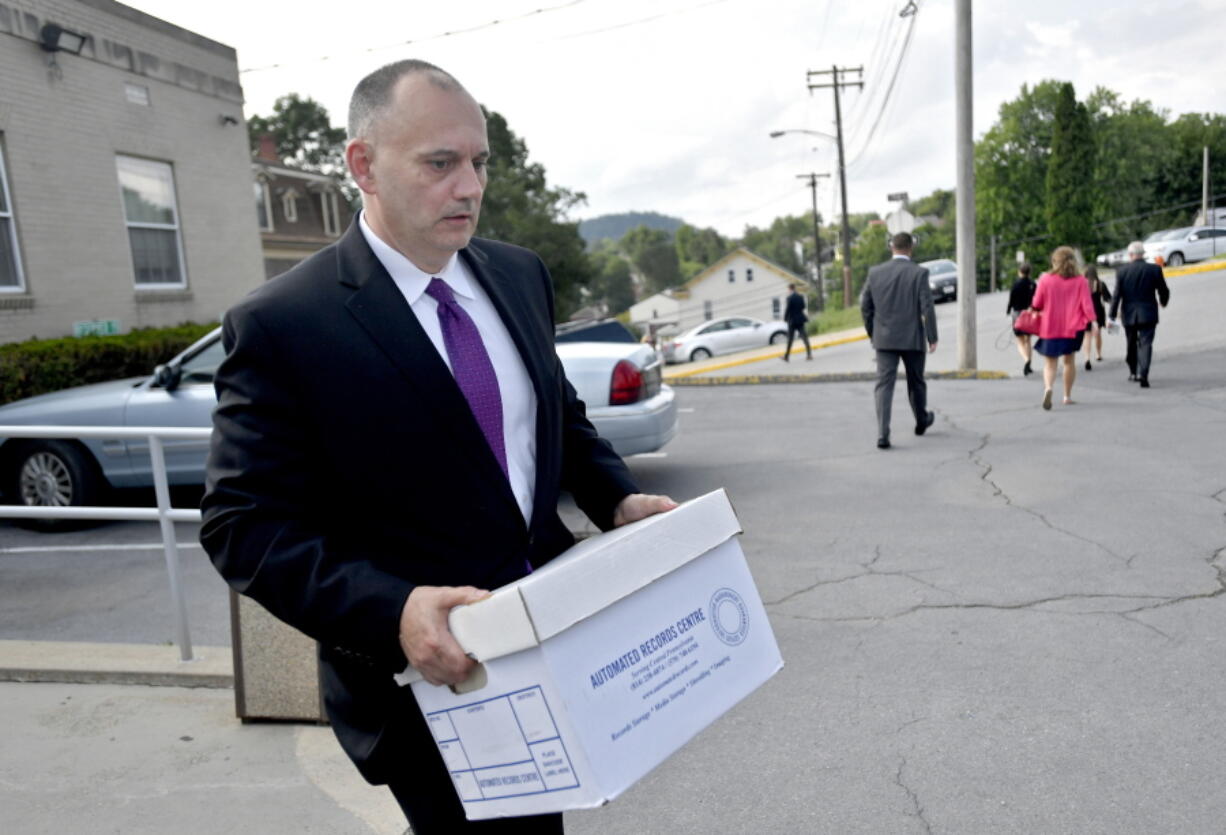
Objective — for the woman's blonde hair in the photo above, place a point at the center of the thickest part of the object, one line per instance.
(1064, 262)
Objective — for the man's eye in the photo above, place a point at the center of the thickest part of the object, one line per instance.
(439, 164)
(481, 164)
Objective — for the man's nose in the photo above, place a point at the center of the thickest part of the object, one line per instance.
(469, 183)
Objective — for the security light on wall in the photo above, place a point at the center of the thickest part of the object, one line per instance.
(55, 38)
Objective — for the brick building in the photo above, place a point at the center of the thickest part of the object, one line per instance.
(125, 173)
(299, 212)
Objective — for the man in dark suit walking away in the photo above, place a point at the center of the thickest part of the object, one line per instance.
(392, 432)
(897, 308)
(794, 315)
(1140, 288)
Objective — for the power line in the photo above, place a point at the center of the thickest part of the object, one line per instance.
(894, 78)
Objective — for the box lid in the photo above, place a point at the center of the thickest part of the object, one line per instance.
(590, 576)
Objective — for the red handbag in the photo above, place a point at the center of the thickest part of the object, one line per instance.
(1027, 322)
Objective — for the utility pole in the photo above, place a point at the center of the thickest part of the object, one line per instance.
(836, 82)
(965, 201)
(1204, 191)
(817, 237)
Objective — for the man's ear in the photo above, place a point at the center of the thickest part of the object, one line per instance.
(359, 156)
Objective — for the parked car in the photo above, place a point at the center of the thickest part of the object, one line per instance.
(1113, 259)
(620, 382)
(942, 279)
(1191, 243)
(726, 335)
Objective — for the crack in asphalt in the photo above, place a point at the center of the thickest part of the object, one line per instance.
(868, 571)
(917, 807)
(975, 458)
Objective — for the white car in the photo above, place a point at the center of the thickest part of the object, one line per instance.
(1191, 243)
(726, 335)
(620, 383)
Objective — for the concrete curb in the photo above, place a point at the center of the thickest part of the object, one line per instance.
(90, 663)
(844, 377)
(718, 365)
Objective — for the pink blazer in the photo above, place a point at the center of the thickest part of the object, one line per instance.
(1065, 303)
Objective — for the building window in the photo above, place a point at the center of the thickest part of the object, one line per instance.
(11, 279)
(707, 313)
(749, 273)
(136, 94)
(775, 308)
(289, 205)
(148, 189)
(330, 211)
(731, 276)
(263, 206)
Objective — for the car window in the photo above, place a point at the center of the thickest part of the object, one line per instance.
(713, 328)
(740, 323)
(201, 367)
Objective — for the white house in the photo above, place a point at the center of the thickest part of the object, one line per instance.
(660, 310)
(125, 174)
(739, 284)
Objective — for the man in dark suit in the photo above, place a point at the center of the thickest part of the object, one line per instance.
(1140, 288)
(392, 432)
(896, 304)
(794, 315)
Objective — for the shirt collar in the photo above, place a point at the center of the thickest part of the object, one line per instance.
(411, 280)
(901, 257)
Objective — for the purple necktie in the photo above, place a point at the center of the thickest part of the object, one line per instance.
(471, 366)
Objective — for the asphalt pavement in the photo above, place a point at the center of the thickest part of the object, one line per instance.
(1013, 624)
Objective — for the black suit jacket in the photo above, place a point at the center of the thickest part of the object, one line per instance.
(346, 468)
(794, 310)
(1139, 287)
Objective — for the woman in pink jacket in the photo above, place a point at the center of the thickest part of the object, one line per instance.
(1063, 299)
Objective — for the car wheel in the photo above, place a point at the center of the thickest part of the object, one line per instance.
(54, 474)
(699, 354)
(1176, 259)
(778, 337)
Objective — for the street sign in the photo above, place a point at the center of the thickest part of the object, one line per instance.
(96, 327)
(898, 196)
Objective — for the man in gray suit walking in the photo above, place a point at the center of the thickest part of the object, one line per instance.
(897, 308)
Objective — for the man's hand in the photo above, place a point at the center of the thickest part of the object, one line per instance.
(638, 506)
(425, 638)
(932, 346)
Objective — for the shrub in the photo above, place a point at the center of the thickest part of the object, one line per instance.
(38, 366)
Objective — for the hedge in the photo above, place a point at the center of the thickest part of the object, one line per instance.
(38, 366)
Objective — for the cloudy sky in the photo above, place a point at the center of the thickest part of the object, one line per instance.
(666, 105)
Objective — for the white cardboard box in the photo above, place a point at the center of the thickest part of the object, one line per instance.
(601, 664)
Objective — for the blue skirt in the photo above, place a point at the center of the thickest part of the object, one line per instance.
(1060, 347)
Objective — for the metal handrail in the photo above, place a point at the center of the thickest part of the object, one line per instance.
(164, 514)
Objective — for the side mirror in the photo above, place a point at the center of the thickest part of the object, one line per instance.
(166, 377)
(757, 324)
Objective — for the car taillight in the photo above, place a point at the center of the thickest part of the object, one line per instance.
(627, 384)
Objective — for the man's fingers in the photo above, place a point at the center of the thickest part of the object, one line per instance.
(425, 638)
(638, 506)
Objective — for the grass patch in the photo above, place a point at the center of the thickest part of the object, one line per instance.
(835, 320)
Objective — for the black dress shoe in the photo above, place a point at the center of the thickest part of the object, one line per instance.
(1144, 381)
(883, 443)
(929, 419)
(1088, 367)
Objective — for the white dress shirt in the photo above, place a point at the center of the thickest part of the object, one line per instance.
(514, 384)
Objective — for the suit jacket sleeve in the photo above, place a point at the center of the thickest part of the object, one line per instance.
(1164, 293)
(257, 525)
(866, 305)
(1115, 300)
(927, 310)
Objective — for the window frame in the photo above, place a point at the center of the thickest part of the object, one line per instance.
(329, 209)
(10, 214)
(264, 197)
(289, 205)
(176, 227)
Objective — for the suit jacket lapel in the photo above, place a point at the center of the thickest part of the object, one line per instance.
(380, 308)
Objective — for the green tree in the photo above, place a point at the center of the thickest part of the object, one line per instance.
(1069, 200)
(1011, 167)
(520, 207)
(304, 138)
(654, 256)
(698, 249)
(613, 286)
(778, 241)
